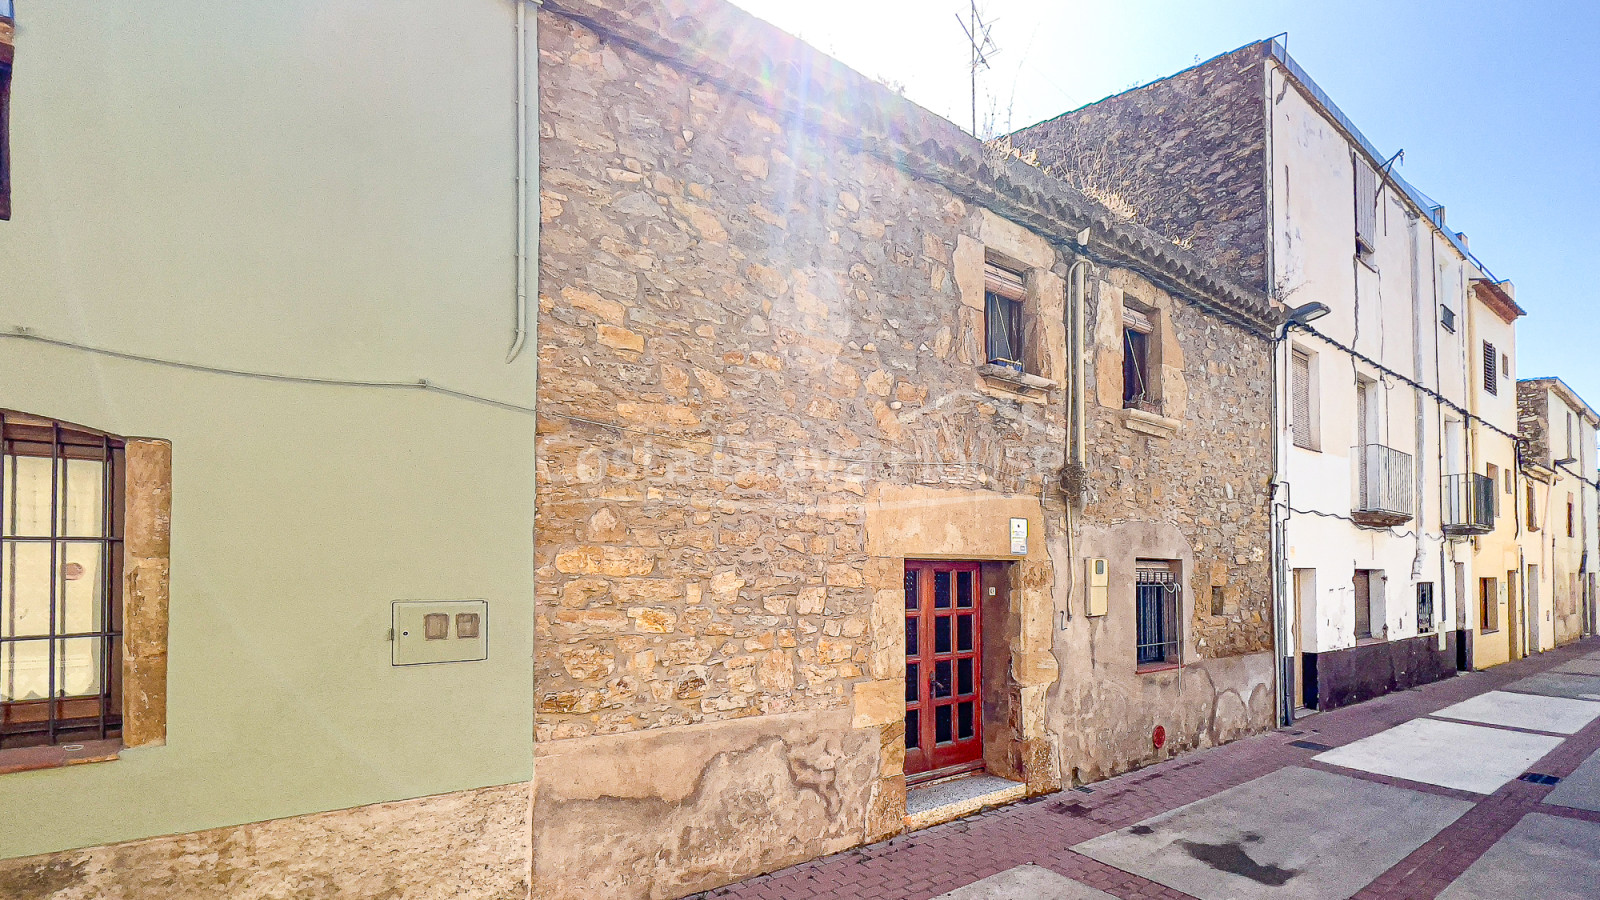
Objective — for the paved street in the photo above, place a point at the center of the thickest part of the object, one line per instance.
(1483, 786)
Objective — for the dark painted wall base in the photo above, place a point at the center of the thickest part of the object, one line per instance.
(1342, 677)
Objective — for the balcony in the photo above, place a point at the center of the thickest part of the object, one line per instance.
(1468, 504)
(1384, 493)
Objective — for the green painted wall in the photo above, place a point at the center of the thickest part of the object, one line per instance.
(314, 187)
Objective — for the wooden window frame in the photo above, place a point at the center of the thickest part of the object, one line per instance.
(1005, 297)
(67, 719)
(1366, 206)
(1303, 377)
(1488, 605)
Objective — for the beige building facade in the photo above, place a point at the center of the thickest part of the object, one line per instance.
(1559, 508)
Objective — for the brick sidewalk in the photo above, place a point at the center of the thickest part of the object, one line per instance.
(1043, 830)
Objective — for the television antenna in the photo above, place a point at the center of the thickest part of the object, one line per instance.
(983, 45)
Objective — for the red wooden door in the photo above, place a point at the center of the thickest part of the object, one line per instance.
(944, 713)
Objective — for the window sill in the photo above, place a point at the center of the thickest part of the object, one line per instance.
(1153, 668)
(1152, 424)
(28, 759)
(1006, 382)
(1369, 641)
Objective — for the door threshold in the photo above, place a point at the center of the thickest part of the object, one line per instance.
(952, 798)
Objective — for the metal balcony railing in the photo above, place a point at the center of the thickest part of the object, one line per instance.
(1468, 504)
(1384, 490)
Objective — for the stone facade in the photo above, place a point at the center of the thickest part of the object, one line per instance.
(1183, 155)
(467, 844)
(761, 339)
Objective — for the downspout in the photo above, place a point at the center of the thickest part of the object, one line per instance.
(527, 321)
(1076, 451)
(519, 336)
(1277, 523)
(1419, 403)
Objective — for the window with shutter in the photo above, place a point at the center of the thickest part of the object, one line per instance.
(1300, 390)
(1366, 206)
(1004, 292)
(1491, 379)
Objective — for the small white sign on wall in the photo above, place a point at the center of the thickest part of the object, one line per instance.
(1019, 537)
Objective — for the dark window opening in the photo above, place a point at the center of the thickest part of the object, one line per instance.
(61, 517)
(1136, 393)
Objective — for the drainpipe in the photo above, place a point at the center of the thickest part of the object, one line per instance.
(1076, 451)
(1277, 523)
(519, 337)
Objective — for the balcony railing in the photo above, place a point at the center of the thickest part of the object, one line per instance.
(1384, 490)
(1468, 504)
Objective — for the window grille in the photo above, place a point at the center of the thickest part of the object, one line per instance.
(60, 582)
(1447, 318)
(1491, 380)
(1156, 594)
(1301, 389)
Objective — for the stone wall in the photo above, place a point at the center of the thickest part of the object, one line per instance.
(1184, 155)
(466, 844)
(760, 394)
(1189, 485)
(1533, 420)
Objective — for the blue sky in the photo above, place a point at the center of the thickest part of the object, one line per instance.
(1497, 106)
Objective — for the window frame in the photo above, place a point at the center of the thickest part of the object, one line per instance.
(1158, 589)
(1365, 198)
(1426, 599)
(1306, 361)
(1488, 605)
(1005, 297)
(1491, 370)
(23, 436)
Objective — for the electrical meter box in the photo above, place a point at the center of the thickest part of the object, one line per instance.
(440, 631)
(1097, 576)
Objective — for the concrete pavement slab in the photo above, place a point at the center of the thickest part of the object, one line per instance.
(1294, 834)
(1558, 684)
(1549, 857)
(1532, 711)
(1448, 754)
(1028, 882)
(1581, 666)
(1581, 789)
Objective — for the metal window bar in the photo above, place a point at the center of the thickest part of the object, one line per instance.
(66, 716)
(1383, 481)
(1469, 504)
(1156, 607)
